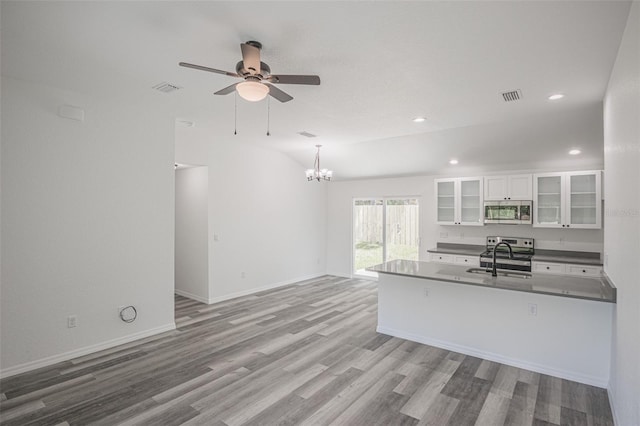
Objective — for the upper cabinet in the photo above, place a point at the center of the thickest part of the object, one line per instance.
(513, 187)
(459, 201)
(568, 200)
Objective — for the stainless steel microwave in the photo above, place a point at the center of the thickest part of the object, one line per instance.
(508, 212)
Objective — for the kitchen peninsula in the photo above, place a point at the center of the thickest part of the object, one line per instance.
(552, 324)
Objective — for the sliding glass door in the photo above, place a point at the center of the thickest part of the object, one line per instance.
(384, 229)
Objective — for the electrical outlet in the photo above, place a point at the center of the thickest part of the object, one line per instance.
(72, 321)
(533, 309)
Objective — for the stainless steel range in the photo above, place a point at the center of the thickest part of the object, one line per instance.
(522, 248)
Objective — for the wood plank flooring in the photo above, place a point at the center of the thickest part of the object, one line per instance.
(304, 354)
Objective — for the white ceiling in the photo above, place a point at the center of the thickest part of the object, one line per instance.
(381, 64)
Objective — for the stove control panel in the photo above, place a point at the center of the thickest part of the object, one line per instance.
(522, 244)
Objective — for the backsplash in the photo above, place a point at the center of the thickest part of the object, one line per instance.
(545, 238)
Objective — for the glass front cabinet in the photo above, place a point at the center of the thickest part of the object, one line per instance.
(568, 200)
(459, 201)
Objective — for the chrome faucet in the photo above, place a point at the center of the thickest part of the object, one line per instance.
(494, 273)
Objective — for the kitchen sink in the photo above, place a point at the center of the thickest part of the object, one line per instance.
(510, 274)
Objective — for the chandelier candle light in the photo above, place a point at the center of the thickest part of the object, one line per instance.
(317, 173)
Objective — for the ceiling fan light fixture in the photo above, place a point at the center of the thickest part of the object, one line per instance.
(252, 91)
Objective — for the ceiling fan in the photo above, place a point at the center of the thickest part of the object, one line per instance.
(258, 80)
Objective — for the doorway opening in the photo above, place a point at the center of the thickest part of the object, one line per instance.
(192, 232)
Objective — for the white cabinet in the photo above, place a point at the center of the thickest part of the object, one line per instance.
(567, 200)
(441, 258)
(459, 201)
(548, 268)
(455, 259)
(512, 187)
(566, 269)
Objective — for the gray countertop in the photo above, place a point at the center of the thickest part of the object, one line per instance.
(561, 256)
(460, 249)
(541, 255)
(596, 288)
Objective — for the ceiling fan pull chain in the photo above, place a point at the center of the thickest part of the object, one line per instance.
(268, 115)
(235, 114)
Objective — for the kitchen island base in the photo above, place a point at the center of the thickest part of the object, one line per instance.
(564, 337)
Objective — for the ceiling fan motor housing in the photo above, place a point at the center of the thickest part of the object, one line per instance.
(265, 71)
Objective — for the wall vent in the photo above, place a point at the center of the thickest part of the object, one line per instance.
(165, 87)
(513, 95)
(307, 134)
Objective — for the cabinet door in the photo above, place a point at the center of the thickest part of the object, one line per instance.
(446, 202)
(583, 200)
(587, 271)
(548, 268)
(520, 187)
(441, 258)
(548, 203)
(471, 202)
(495, 188)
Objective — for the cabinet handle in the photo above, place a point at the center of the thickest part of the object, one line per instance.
(563, 226)
(547, 267)
(568, 226)
(466, 260)
(584, 271)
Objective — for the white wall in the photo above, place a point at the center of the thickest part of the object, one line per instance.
(267, 224)
(339, 239)
(192, 233)
(622, 219)
(87, 223)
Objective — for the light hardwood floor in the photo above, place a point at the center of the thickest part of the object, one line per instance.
(303, 354)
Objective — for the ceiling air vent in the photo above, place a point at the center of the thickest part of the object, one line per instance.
(514, 95)
(165, 87)
(307, 134)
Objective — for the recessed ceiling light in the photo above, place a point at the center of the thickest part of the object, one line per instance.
(556, 96)
(419, 119)
(454, 162)
(575, 152)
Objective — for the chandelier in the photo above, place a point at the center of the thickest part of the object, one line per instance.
(317, 173)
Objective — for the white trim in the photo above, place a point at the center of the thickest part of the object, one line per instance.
(191, 296)
(514, 362)
(229, 296)
(613, 406)
(44, 362)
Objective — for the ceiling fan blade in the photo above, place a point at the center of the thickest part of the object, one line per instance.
(201, 68)
(294, 79)
(279, 94)
(251, 58)
(227, 90)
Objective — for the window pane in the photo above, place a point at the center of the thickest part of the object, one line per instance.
(367, 228)
(402, 233)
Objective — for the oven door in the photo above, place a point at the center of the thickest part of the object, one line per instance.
(502, 212)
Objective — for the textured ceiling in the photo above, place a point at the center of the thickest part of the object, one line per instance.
(381, 64)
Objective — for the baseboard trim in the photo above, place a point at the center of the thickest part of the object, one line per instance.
(612, 404)
(191, 296)
(250, 291)
(490, 356)
(44, 362)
